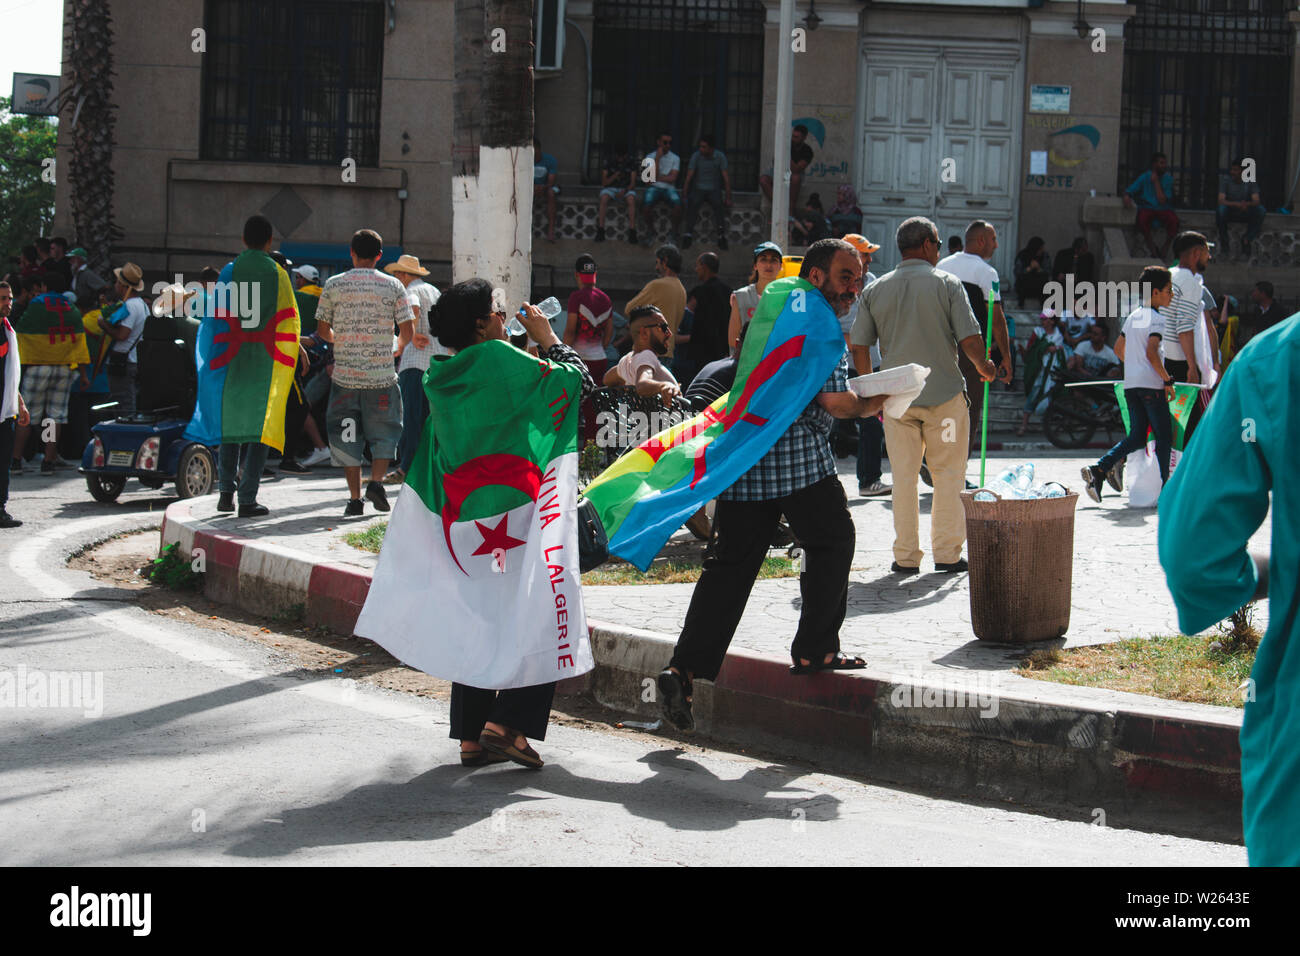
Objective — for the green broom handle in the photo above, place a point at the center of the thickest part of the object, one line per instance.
(984, 418)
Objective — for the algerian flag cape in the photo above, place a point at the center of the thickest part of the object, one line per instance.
(50, 332)
(793, 344)
(1180, 410)
(246, 354)
(477, 580)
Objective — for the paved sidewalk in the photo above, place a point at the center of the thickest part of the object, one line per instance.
(901, 624)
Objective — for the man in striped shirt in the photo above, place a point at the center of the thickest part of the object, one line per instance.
(1182, 315)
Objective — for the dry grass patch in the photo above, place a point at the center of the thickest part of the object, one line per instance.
(1207, 669)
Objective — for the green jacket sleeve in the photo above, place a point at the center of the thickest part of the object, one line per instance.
(1216, 499)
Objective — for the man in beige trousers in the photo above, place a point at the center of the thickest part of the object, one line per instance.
(920, 314)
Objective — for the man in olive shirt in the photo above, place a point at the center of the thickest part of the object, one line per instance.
(923, 315)
(666, 293)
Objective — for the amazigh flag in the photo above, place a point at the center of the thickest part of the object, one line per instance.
(50, 332)
(793, 344)
(477, 580)
(246, 354)
(1180, 410)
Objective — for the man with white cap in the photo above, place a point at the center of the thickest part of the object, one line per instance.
(306, 289)
(414, 361)
(124, 327)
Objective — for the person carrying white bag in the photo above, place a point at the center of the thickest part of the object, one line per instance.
(1148, 388)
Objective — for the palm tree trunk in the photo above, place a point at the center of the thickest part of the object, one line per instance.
(88, 97)
(505, 190)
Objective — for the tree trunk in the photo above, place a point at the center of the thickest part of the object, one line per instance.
(467, 97)
(505, 193)
(89, 98)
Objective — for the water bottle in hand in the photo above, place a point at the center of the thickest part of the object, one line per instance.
(549, 307)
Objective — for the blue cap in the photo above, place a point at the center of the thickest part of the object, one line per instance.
(768, 246)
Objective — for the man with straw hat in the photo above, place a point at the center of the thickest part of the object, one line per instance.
(414, 362)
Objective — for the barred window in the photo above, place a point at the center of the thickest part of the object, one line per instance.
(295, 81)
(688, 66)
(1206, 81)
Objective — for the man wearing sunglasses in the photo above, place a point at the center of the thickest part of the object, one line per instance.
(641, 368)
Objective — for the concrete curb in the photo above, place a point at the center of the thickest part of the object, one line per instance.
(1141, 761)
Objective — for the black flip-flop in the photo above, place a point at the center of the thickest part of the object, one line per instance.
(837, 663)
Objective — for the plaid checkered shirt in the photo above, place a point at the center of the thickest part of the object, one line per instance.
(801, 457)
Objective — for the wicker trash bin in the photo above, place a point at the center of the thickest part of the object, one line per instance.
(1021, 554)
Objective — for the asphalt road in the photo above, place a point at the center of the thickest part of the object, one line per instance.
(210, 750)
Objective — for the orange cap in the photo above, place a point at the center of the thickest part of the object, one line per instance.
(860, 243)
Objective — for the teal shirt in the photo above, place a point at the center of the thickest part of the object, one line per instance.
(1218, 496)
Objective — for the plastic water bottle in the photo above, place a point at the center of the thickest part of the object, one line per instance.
(1024, 476)
(1053, 489)
(549, 307)
(985, 495)
(1005, 484)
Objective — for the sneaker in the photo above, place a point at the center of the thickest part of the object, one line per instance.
(1115, 477)
(874, 490)
(47, 467)
(61, 463)
(354, 509)
(294, 467)
(253, 511)
(958, 565)
(600, 233)
(16, 466)
(375, 492)
(395, 477)
(226, 502)
(1093, 479)
(8, 521)
(318, 457)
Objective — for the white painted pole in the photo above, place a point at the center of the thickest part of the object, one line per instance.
(781, 135)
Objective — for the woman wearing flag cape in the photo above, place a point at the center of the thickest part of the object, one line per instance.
(477, 581)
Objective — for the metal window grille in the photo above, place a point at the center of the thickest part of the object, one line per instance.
(690, 66)
(296, 81)
(1206, 81)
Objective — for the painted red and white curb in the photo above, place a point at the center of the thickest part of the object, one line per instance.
(1132, 756)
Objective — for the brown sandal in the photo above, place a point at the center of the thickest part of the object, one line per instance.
(480, 758)
(505, 747)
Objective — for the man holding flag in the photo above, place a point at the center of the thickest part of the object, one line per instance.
(247, 352)
(795, 476)
(52, 344)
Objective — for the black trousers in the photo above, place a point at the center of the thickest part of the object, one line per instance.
(296, 411)
(742, 532)
(6, 453)
(525, 709)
